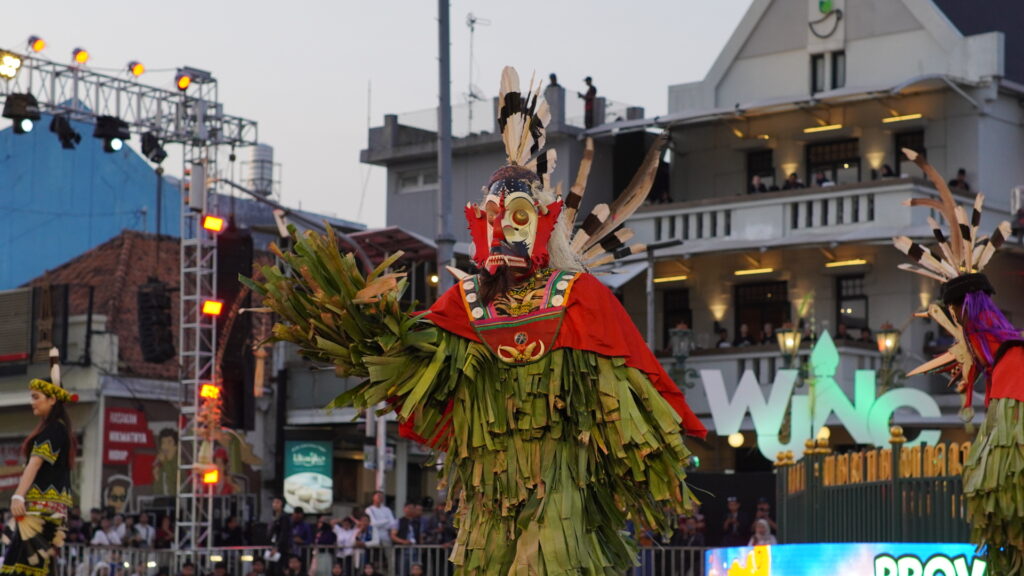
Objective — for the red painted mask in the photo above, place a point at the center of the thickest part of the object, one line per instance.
(512, 229)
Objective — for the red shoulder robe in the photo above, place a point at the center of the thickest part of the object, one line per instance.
(594, 321)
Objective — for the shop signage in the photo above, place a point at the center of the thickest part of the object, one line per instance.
(866, 417)
(308, 476)
(877, 559)
(125, 430)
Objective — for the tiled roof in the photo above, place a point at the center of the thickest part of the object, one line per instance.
(115, 270)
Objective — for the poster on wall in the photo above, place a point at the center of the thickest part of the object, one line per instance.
(308, 478)
(860, 559)
(140, 458)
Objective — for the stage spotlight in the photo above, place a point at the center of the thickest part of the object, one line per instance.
(69, 138)
(135, 68)
(152, 149)
(10, 63)
(113, 131)
(183, 80)
(36, 44)
(188, 75)
(80, 55)
(23, 110)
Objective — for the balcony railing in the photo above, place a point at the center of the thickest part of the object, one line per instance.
(856, 212)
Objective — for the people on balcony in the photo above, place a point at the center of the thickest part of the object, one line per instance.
(743, 338)
(723, 339)
(793, 182)
(842, 333)
(821, 180)
(756, 185)
(887, 172)
(959, 184)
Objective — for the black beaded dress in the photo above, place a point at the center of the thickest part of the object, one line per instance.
(46, 505)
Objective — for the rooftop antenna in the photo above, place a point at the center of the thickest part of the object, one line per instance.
(475, 93)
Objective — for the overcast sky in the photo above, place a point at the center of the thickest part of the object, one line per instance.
(303, 69)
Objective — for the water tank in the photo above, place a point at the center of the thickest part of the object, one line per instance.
(261, 169)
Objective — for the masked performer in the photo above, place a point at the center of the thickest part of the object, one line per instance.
(987, 347)
(558, 422)
(41, 500)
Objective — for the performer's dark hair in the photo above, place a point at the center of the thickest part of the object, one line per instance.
(59, 413)
(492, 286)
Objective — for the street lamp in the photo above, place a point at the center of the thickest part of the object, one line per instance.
(789, 344)
(888, 339)
(681, 342)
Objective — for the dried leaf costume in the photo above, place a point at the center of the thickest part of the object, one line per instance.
(47, 501)
(986, 346)
(557, 421)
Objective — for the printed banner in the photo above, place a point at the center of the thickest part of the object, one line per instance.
(860, 559)
(308, 476)
(125, 430)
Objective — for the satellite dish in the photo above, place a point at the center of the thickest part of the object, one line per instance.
(475, 93)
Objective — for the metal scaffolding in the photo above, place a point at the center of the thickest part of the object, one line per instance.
(196, 120)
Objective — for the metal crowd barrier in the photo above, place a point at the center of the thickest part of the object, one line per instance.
(83, 560)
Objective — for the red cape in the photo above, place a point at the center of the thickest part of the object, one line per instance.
(594, 321)
(1008, 373)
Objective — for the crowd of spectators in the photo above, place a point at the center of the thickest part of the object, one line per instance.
(109, 529)
(344, 546)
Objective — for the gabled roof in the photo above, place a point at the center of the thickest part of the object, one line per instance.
(1006, 16)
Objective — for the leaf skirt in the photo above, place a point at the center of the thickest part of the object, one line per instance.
(548, 461)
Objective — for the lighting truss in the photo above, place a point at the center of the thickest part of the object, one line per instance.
(196, 120)
(83, 94)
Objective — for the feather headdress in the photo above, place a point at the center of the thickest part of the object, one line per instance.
(962, 256)
(53, 388)
(601, 239)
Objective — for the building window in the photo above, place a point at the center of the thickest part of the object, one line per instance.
(838, 70)
(424, 180)
(817, 73)
(853, 303)
(676, 304)
(913, 140)
(838, 162)
(763, 307)
(759, 163)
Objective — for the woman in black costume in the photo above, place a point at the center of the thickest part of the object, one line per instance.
(41, 501)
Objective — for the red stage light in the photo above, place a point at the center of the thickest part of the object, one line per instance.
(213, 307)
(211, 476)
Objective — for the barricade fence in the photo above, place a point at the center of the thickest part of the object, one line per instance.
(85, 560)
(896, 494)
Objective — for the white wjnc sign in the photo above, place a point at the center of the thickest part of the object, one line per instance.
(866, 417)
